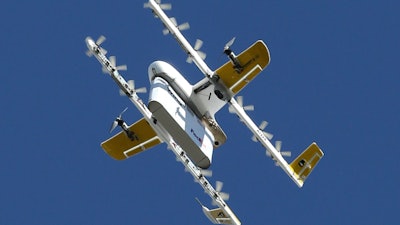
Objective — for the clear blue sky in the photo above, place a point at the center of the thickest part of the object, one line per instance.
(334, 78)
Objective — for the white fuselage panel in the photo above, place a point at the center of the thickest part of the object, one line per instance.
(181, 123)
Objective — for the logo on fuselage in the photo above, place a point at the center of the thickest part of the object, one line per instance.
(196, 136)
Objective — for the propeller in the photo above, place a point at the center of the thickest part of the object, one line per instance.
(165, 6)
(131, 84)
(278, 146)
(113, 62)
(227, 48)
(262, 126)
(239, 100)
(118, 120)
(181, 27)
(197, 46)
(98, 42)
(206, 173)
(218, 188)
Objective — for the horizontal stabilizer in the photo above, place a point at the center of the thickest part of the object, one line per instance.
(216, 216)
(306, 162)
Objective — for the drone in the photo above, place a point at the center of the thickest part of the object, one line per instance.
(182, 115)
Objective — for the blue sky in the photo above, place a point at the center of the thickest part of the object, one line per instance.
(334, 78)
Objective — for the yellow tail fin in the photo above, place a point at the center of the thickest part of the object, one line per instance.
(306, 162)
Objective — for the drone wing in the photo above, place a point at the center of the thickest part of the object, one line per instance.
(253, 60)
(121, 146)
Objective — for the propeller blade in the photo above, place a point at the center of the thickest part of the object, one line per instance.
(100, 40)
(202, 55)
(218, 186)
(263, 125)
(184, 26)
(198, 44)
(207, 173)
(268, 135)
(223, 195)
(249, 108)
(122, 67)
(131, 84)
(103, 51)
(89, 53)
(173, 20)
(113, 61)
(230, 43)
(165, 31)
(231, 110)
(113, 125)
(120, 115)
(141, 90)
(239, 100)
(166, 6)
(189, 59)
(115, 122)
(204, 172)
(278, 145)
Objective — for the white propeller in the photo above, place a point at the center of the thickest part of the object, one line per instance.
(165, 6)
(278, 146)
(239, 100)
(98, 42)
(218, 188)
(117, 120)
(207, 173)
(181, 27)
(204, 172)
(229, 44)
(113, 62)
(131, 84)
(262, 126)
(197, 46)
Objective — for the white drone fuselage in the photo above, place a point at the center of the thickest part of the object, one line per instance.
(171, 101)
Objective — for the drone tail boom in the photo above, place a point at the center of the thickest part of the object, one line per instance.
(306, 162)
